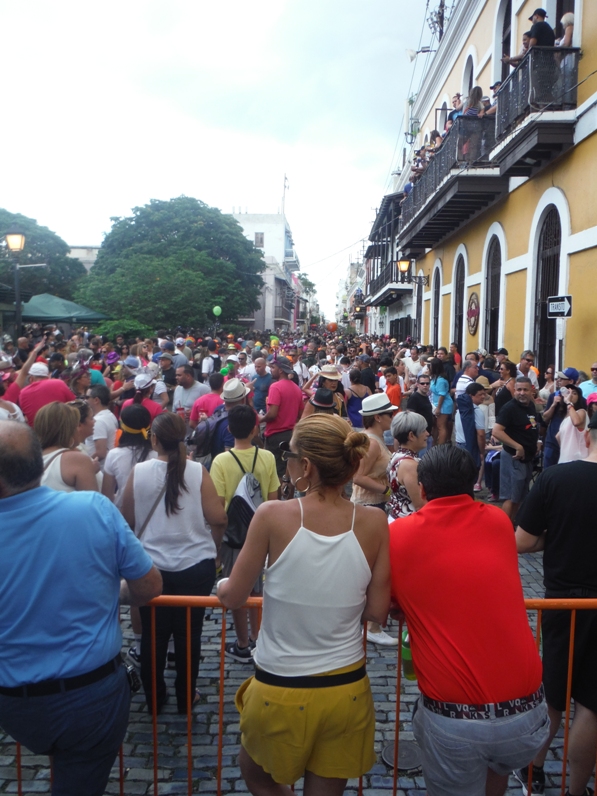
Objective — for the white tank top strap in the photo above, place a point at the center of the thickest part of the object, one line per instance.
(354, 510)
(300, 502)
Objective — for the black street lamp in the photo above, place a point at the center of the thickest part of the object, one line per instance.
(404, 266)
(15, 242)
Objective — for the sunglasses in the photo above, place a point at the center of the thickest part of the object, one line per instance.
(593, 369)
(286, 453)
(529, 360)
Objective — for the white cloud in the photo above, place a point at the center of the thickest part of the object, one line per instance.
(126, 101)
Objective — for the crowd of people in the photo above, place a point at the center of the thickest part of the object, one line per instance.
(366, 455)
(480, 105)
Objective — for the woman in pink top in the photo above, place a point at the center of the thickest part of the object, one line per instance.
(144, 384)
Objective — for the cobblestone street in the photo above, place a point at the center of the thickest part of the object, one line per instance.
(381, 665)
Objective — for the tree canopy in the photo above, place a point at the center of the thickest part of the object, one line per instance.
(309, 288)
(172, 261)
(41, 246)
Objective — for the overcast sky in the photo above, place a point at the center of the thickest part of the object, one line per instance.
(109, 105)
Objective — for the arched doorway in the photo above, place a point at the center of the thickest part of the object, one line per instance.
(506, 37)
(458, 299)
(467, 81)
(547, 284)
(419, 314)
(492, 294)
(436, 307)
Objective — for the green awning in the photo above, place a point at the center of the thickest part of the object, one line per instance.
(46, 307)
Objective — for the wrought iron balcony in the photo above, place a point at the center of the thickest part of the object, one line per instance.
(387, 287)
(528, 132)
(545, 80)
(459, 181)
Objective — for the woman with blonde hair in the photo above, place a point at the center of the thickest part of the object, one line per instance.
(327, 572)
(66, 468)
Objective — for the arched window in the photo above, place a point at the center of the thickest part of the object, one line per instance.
(506, 37)
(547, 284)
(436, 307)
(467, 82)
(458, 299)
(492, 294)
(443, 117)
(419, 314)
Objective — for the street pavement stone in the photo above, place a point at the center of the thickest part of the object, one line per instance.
(172, 728)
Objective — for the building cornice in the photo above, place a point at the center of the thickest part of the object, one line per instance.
(462, 22)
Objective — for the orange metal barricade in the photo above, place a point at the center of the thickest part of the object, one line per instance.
(538, 605)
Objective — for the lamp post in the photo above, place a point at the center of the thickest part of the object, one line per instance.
(404, 266)
(15, 241)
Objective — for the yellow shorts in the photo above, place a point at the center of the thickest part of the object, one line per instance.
(328, 731)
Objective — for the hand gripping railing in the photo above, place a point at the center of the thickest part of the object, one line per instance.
(539, 605)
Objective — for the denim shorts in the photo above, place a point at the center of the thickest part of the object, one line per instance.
(515, 477)
(457, 752)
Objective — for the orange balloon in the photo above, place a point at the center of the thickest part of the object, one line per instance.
(331, 327)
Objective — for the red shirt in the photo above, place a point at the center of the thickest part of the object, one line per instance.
(207, 404)
(153, 407)
(455, 576)
(40, 393)
(289, 399)
(394, 394)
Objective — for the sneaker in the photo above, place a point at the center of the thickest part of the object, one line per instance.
(588, 792)
(241, 654)
(522, 775)
(382, 638)
(133, 657)
(477, 488)
(252, 643)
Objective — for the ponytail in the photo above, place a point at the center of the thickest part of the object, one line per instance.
(170, 431)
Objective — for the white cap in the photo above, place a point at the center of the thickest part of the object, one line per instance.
(180, 341)
(143, 380)
(40, 370)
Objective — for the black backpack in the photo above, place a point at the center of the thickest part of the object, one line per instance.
(242, 507)
(203, 435)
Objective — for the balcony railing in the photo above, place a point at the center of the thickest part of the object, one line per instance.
(468, 143)
(545, 80)
(389, 274)
(282, 312)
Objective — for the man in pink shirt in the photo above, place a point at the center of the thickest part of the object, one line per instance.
(284, 409)
(42, 390)
(205, 405)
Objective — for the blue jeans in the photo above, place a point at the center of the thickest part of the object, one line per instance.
(457, 752)
(82, 729)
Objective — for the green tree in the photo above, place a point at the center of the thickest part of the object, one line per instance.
(41, 246)
(309, 288)
(170, 263)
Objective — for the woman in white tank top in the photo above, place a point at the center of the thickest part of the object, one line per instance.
(308, 710)
(172, 505)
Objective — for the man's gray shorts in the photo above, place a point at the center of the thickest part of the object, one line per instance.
(457, 752)
(515, 477)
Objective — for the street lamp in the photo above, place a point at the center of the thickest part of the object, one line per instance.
(15, 241)
(404, 266)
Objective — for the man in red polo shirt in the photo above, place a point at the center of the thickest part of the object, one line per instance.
(42, 390)
(455, 576)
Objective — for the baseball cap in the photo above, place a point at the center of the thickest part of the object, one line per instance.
(497, 84)
(169, 345)
(234, 390)
(166, 355)
(502, 351)
(39, 369)
(180, 341)
(143, 380)
(568, 373)
(540, 12)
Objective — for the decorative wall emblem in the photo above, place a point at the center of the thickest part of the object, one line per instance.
(472, 314)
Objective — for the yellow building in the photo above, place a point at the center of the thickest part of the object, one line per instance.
(504, 216)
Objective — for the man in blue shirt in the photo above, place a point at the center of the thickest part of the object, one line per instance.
(63, 689)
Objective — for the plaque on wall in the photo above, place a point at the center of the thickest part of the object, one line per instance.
(472, 314)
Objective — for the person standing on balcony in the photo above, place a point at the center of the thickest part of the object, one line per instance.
(541, 34)
(516, 59)
(558, 517)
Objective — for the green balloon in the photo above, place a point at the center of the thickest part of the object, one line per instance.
(224, 371)
(217, 311)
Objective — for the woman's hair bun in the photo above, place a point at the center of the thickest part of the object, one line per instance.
(356, 446)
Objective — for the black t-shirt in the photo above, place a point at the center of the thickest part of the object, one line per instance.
(501, 398)
(422, 406)
(368, 379)
(562, 502)
(520, 423)
(543, 32)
